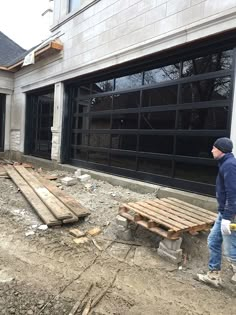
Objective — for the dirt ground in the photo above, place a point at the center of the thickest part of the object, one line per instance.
(46, 272)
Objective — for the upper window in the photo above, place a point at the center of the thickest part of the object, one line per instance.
(74, 4)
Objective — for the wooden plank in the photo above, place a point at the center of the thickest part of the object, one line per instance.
(158, 212)
(193, 206)
(59, 210)
(191, 213)
(184, 219)
(204, 213)
(71, 203)
(39, 207)
(73, 218)
(160, 219)
(178, 211)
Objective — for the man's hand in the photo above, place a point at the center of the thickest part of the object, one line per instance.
(225, 227)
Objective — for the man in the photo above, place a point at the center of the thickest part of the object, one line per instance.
(226, 198)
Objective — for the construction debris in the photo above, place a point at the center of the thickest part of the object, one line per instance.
(84, 178)
(94, 231)
(77, 233)
(69, 181)
(81, 240)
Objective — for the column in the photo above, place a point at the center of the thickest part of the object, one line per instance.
(57, 122)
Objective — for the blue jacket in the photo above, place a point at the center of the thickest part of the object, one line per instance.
(226, 186)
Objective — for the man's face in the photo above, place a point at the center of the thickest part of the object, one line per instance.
(217, 154)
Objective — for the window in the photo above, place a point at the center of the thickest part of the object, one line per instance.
(74, 4)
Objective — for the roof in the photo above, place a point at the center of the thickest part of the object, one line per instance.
(9, 50)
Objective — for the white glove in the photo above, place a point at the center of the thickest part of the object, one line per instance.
(225, 227)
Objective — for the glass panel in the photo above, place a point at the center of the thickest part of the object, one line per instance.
(100, 122)
(124, 142)
(156, 144)
(206, 90)
(84, 90)
(99, 140)
(199, 146)
(79, 154)
(129, 81)
(125, 121)
(74, 4)
(103, 86)
(80, 122)
(98, 157)
(203, 118)
(126, 162)
(127, 100)
(197, 173)
(101, 103)
(162, 74)
(155, 166)
(210, 63)
(160, 96)
(79, 139)
(81, 107)
(158, 120)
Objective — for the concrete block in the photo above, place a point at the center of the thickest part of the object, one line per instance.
(78, 173)
(121, 228)
(172, 244)
(175, 258)
(166, 249)
(84, 178)
(121, 221)
(69, 181)
(124, 235)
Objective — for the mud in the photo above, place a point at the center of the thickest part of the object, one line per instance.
(45, 272)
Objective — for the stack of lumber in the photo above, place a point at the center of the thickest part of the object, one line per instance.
(52, 205)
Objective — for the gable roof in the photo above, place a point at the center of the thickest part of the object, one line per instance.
(9, 50)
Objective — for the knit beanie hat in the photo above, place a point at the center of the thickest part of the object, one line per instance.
(225, 145)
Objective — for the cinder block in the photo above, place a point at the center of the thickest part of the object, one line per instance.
(170, 251)
(69, 181)
(174, 258)
(84, 178)
(78, 173)
(121, 228)
(172, 244)
(125, 235)
(121, 221)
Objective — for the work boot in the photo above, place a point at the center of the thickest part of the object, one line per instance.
(233, 279)
(212, 277)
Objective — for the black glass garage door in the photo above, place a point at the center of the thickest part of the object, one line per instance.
(157, 124)
(39, 120)
(2, 120)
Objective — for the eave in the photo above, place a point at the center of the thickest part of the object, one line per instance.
(46, 51)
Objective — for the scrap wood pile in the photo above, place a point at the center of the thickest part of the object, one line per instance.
(52, 205)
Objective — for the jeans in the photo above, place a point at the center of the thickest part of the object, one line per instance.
(215, 241)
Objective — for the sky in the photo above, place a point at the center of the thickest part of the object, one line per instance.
(22, 21)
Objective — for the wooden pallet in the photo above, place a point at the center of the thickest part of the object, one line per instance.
(168, 217)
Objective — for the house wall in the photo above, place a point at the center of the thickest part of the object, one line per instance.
(6, 87)
(104, 33)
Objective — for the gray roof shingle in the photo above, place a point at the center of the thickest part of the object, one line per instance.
(9, 50)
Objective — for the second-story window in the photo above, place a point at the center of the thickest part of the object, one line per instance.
(74, 4)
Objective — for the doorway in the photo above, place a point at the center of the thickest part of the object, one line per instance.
(39, 120)
(2, 120)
